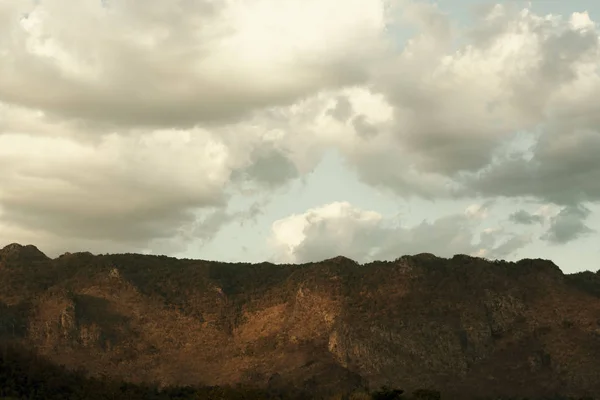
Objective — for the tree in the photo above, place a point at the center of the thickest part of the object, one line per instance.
(386, 393)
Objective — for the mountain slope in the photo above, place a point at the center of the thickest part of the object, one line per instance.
(465, 326)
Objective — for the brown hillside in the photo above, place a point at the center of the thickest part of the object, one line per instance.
(465, 326)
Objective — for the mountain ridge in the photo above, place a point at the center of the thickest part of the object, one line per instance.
(463, 325)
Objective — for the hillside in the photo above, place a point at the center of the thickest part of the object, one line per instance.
(465, 326)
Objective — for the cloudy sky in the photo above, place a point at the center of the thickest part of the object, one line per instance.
(298, 130)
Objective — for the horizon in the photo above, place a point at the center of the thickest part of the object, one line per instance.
(290, 131)
(334, 258)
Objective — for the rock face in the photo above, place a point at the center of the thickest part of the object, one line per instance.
(465, 326)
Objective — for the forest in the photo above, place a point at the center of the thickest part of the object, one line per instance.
(25, 375)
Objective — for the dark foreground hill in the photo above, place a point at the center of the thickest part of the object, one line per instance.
(465, 326)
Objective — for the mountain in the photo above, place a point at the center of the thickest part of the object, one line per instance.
(465, 326)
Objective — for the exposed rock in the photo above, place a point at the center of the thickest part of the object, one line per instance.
(462, 325)
(114, 273)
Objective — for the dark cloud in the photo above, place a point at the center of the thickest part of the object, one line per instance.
(564, 169)
(568, 225)
(524, 218)
(270, 167)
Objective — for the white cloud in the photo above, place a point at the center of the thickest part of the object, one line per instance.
(340, 229)
(184, 63)
(476, 211)
(581, 21)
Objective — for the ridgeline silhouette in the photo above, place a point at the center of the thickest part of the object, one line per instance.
(465, 326)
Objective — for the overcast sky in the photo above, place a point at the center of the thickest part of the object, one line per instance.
(298, 130)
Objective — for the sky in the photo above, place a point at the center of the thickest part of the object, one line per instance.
(294, 131)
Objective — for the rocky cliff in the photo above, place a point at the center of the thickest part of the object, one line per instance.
(465, 326)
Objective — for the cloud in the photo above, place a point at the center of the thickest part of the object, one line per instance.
(131, 126)
(499, 244)
(559, 92)
(568, 225)
(511, 112)
(342, 109)
(138, 186)
(179, 65)
(478, 211)
(271, 168)
(563, 170)
(129, 189)
(524, 218)
(123, 126)
(341, 229)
